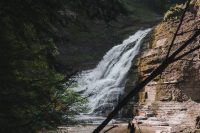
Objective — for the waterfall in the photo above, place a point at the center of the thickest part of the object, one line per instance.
(104, 85)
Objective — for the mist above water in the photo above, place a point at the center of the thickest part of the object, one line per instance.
(104, 85)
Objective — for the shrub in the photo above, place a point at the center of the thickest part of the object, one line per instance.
(174, 12)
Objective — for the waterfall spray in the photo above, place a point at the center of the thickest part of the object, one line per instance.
(105, 83)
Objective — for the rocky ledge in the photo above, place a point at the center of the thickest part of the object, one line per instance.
(171, 102)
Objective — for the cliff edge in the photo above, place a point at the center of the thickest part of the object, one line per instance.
(174, 96)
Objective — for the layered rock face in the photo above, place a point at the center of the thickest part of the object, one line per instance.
(175, 94)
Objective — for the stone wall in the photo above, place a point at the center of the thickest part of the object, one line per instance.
(179, 85)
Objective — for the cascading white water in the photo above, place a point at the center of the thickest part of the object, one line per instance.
(105, 84)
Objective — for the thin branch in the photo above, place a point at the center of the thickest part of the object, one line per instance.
(134, 91)
(142, 84)
(185, 32)
(189, 60)
(178, 28)
(196, 34)
(185, 54)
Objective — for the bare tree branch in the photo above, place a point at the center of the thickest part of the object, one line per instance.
(142, 84)
(185, 54)
(185, 32)
(196, 34)
(178, 28)
(134, 91)
(167, 61)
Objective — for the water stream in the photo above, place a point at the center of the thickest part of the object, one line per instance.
(104, 85)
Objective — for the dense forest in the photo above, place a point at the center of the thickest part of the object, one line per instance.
(33, 93)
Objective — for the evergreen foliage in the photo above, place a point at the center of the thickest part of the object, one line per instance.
(32, 95)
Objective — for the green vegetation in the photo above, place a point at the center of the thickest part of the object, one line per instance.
(151, 6)
(174, 13)
(32, 94)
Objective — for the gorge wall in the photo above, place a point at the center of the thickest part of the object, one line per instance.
(175, 94)
(82, 44)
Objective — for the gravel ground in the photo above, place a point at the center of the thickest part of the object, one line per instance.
(118, 128)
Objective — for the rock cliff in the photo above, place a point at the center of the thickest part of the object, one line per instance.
(175, 94)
